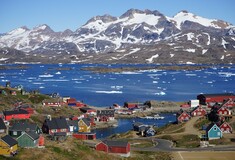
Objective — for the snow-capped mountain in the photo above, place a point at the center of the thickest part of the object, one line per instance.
(136, 36)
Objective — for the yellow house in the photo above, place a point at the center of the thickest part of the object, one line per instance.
(8, 146)
(84, 125)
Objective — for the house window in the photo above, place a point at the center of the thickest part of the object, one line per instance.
(218, 133)
(53, 130)
(63, 130)
(215, 129)
(225, 112)
(15, 133)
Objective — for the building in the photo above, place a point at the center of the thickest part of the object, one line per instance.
(3, 128)
(118, 147)
(16, 114)
(73, 126)
(84, 125)
(223, 111)
(56, 102)
(229, 103)
(105, 115)
(85, 135)
(205, 99)
(213, 132)
(8, 146)
(26, 107)
(57, 128)
(132, 105)
(18, 128)
(88, 110)
(198, 111)
(182, 116)
(28, 140)
(226, 128)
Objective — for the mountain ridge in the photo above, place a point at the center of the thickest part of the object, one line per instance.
(141, 36)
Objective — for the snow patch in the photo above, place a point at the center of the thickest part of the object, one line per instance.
(204, 51)
(190, 50)
(150, 60)
(172, 55)
(222, 57)
(224, 43)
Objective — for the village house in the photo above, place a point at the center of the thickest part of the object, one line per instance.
(229, 103)
(88, 110)
(16, 114)
(85, 135)
(57, 128)
(198, 111)
(105, 115)
(26, 107)
(138, 125)
(84, 125)
(3, 128)
(213, 132)
(56, 102)
(205, 99)
(18, 128)
(182, 116)
(13, 92)
(8, 146)
(223, 111)
(121, 148)
(73, 126)
(132, 105)
(226, 128)
(30, 140)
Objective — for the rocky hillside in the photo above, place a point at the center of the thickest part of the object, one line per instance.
(135, 37)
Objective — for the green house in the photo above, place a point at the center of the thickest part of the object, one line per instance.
(28, 140)
(18, 128)
(213, 132)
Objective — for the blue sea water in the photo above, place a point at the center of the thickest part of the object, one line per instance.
(125, 125)
(105, 89)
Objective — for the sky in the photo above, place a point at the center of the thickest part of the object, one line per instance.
(72, 14)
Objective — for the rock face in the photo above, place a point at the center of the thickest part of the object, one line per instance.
(135, 37)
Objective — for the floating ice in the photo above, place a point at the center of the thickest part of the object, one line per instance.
(160, 93)
(46, 76)
(109, 92)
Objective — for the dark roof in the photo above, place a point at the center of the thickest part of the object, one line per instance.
(72, 122)
(60, 134)
(105, 112)
(210, 126)
(2, 124)
(23, 126)
(85, 109)
(19, 111)
(9, 140)
(57, 123)
(115, 143)
(86, 121)
(216, 95)
(32, 135)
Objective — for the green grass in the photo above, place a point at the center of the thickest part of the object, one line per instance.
(200, 122)
(188, 141)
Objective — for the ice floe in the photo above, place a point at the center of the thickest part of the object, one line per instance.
(109, 92)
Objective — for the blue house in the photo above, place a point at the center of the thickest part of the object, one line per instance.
(213, 132)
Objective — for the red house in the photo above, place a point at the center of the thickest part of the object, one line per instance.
(131, 105)
(229, 103)
(223, 111)
(56, 127)
(26, 107)
(212, 98)
(182, 116)
(53, 103)
(105, 115)
(226, 128)
(118, 147)
(85, 136)
(16, 114)
(198, 111)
